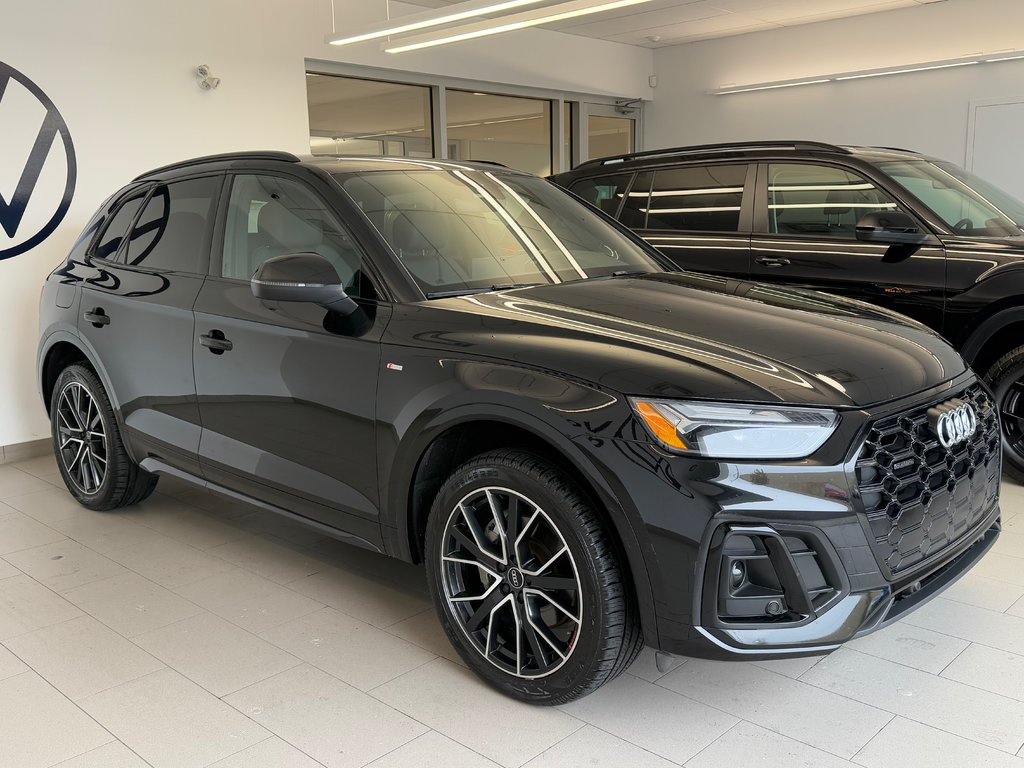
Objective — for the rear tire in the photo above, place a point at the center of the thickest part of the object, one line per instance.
(1006, 378)
(527, 582)
(93, 462)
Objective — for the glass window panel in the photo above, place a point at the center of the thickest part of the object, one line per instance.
(171, 231)
(604, 192)
(819, 200)
(567, 134)
(607, 136)
(509, 130)
(697, 199)
(270, 216)
(116, 230)
(352, 116)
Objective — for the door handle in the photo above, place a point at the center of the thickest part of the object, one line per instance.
(216, 342)
(772, 262)
(97, 317)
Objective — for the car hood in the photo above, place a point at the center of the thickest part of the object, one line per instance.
(696, 336)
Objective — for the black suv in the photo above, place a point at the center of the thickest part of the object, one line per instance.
(891, 227)
(461, 365)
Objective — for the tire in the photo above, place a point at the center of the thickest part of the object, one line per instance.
(561, 594)
(1006, 379)
(96, 468)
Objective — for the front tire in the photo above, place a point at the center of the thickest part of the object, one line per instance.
(526, 581)
(93, 462)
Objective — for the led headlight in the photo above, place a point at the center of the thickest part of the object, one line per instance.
(724, 431)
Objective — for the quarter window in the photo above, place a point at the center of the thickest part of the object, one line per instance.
(270, 216)
(820, 201)
(604, 192)
(171, 232)
(697, 199)
(116, 230)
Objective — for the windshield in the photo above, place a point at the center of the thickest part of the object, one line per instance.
(966, 204)
(466, 230)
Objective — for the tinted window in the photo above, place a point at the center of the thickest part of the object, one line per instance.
(171, 231)
(269, 216)
(604, 192)
(820, 201)
(116, 230)
(702, 199)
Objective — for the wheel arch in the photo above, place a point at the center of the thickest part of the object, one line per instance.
(997, 334)
(463, 434)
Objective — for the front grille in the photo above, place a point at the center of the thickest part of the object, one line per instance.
(919, 497)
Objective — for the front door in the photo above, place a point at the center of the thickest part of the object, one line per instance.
(805, 235)
(286, 390)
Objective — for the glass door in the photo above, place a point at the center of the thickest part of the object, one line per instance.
(610, 130)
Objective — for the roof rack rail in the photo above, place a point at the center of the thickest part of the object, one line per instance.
(287, 157)
(709, 148)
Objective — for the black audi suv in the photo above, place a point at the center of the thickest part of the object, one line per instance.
(892, 227)
(464, 366)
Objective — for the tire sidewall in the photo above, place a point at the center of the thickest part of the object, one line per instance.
(577, 669)
(83, 377)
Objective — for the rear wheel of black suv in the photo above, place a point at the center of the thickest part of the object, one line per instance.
(526, 581)
(90, 453)
(1006, 378)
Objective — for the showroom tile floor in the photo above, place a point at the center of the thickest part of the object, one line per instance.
(194, 631)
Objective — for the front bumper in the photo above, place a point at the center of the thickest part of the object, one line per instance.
(818, 528)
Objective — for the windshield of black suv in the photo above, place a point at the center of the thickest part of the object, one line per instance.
(466, 230)
(966, 204)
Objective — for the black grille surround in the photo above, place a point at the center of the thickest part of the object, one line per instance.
(919, 498)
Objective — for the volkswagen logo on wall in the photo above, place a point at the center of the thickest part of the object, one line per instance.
(953, 422)
(37, 164)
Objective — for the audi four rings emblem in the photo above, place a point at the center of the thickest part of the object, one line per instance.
(953, 422)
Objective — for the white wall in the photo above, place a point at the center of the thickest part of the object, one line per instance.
(927, 111)
(120, 72)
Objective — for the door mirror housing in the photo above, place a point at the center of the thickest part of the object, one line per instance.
(306, 277)
(890, 228)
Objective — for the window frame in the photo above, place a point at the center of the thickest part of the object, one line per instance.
(369, 264)
(761, 214)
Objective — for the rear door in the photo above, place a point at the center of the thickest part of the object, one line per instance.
(805, 222)
(288, 410)
(137, 312)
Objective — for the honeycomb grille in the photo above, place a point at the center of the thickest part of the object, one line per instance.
(919, 497)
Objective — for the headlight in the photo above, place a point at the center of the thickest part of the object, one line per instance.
(723, 431)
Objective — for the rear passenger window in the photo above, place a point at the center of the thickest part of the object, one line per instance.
(634, 209)
(117, 228)
(171, 232)
(697, 199)
(819, 200)
(604, 192)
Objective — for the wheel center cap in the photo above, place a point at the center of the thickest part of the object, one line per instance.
(515, 578)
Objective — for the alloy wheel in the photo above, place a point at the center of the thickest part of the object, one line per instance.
(82, 441)
(511, 582)
(1011, 413)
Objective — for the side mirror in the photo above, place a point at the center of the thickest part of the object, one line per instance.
(890, 228)
(307, 277)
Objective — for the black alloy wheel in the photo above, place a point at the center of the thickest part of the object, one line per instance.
(1006, 378)
(526, 581)
(81, 438)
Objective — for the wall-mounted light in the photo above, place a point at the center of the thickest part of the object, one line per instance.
(991, 58)
(205, 78)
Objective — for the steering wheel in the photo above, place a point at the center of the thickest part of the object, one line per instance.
(963, 225)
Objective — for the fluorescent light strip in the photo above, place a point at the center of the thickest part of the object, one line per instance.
(523, 20)
(685, 192)
(657, 211)
(986, 58)
(887, 72)
(873, 206)
(419, 21)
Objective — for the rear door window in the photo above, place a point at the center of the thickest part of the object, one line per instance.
(117, 226)
(604, 192)
(697, 198)
(171, 233)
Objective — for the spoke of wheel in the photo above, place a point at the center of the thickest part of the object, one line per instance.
(540, 654)
(64, 418)
(478, 535)
(499, 526)
(548, 564)
(464, 561)
(483, 610)
(526, 528)
(470, 546)
(554, 603)
(473, 598)
(490, 623)
(513, 518)
(554, 583)
(93, 470)
(542, 631)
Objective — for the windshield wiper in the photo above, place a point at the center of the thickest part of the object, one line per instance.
(474, 291)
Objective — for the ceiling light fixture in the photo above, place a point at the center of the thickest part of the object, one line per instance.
(532, 18)
(990, 58)
(418, 21)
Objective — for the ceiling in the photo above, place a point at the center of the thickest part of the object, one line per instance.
(671, 22)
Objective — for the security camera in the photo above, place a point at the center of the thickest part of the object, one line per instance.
(205, 79)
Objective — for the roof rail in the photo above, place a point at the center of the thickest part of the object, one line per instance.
(287, 157)
(709, 148)
(890, 149)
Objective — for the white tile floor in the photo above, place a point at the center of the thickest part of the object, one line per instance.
(194, 631)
